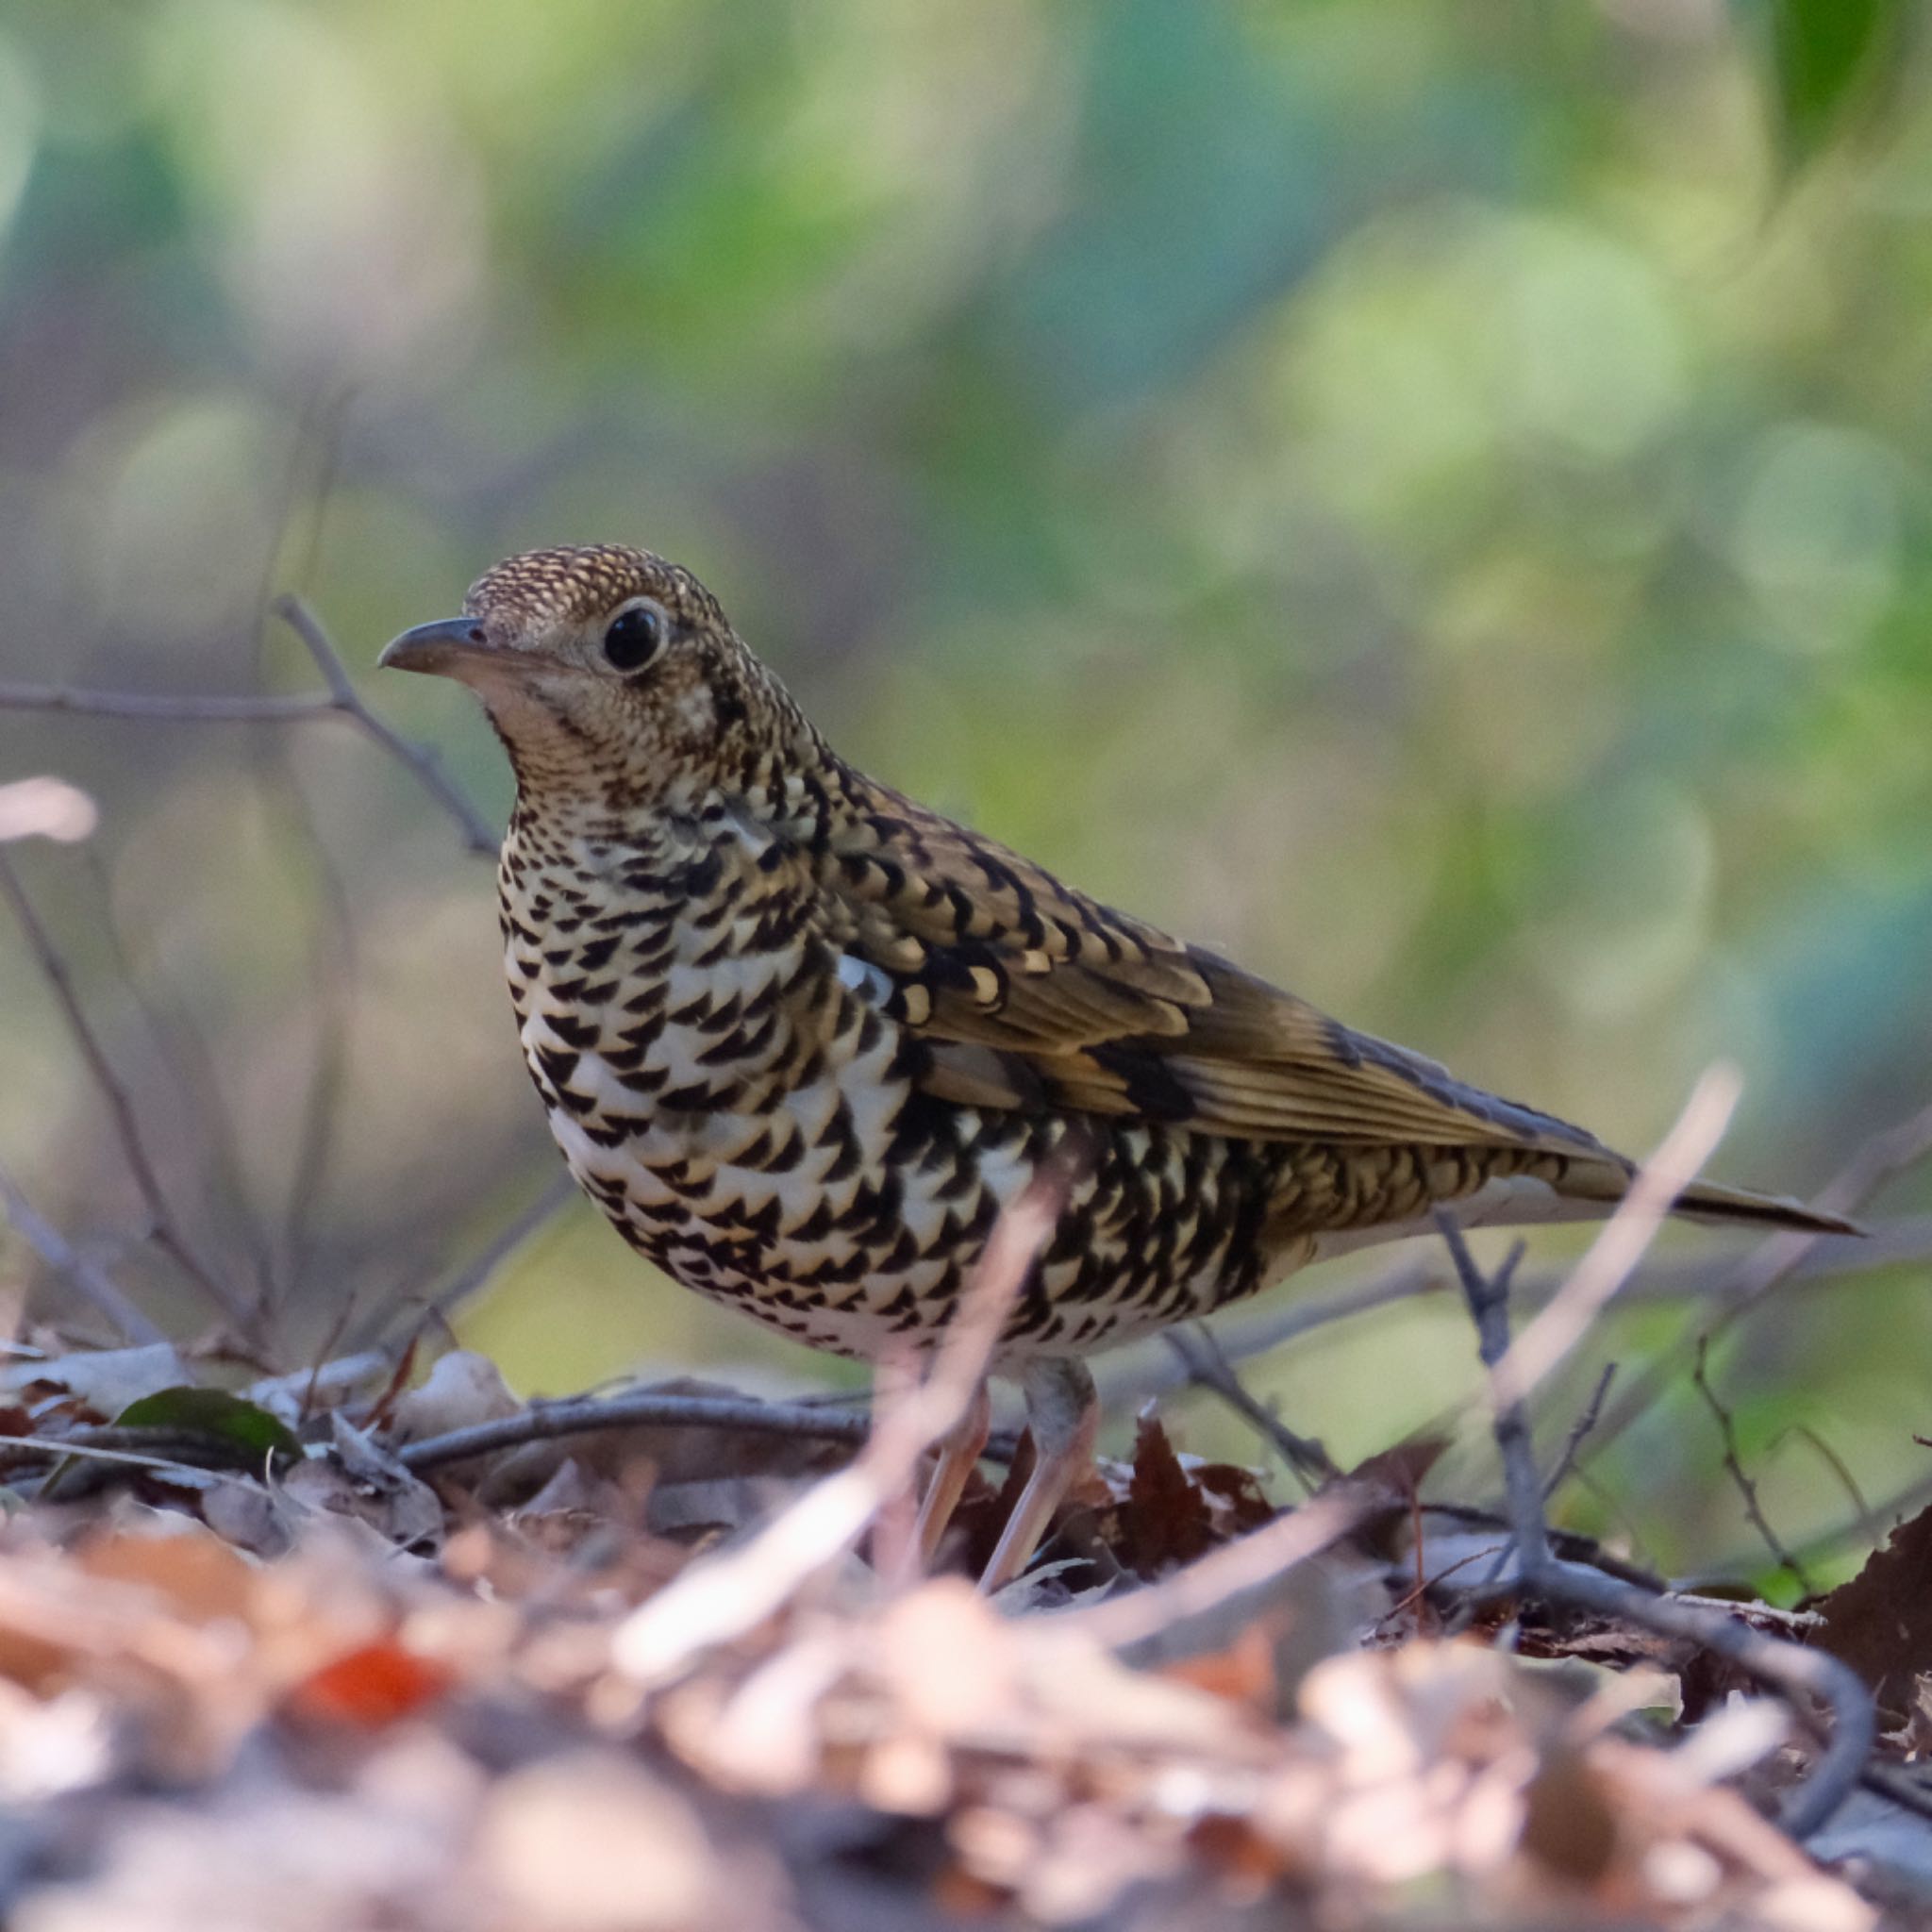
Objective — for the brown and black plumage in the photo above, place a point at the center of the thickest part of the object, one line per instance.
(802, 1039)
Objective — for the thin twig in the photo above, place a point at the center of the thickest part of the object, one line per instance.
(167, 1231)
(1798, 1674)
(1787, 1256)
(1752, 1612)
(1804, 1432)
(342, 701)
(332, 963)
(183, 1053)
(1579, 1429)
(475, 1274)
(164, 709)
(579, 1415)
(478, 833)
(1859, 1533)
(1196, 1347)
(1734, 1468)
(1488, 1307)
(1623, 1243)
(1134, 1375)
(1131, 1374)
(85, 1276)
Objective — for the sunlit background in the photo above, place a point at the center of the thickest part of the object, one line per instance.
(1431, 499)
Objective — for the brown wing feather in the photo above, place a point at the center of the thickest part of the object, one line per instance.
(1031, 995)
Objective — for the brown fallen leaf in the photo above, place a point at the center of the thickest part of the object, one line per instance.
(1164, 1519)
(1880, 1622)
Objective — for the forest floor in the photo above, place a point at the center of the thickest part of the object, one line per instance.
(379, 1646)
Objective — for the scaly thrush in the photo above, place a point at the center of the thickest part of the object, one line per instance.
(802, 1039)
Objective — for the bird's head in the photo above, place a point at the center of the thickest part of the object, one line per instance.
(611, 675)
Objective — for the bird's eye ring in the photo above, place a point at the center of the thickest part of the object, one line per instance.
(632, 638)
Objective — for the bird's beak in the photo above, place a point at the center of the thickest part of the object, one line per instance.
(440, 648)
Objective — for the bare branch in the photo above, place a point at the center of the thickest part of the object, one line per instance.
(1734, 1467)
(165, 708)
(583, 1414)
(184, 1055)
(86, 1277)
(478, 833)
(1199, 1351)
(1804, 1432)
(475, 1274)
(108, 1443)
(342, 701)
(1579, 1430)
(1622, 1243)
(1489, 1308)
(1135, 1374)
(167, 1231)
(1782, 1258)
(1798, 1674)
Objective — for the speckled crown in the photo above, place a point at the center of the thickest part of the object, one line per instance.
(580, 584)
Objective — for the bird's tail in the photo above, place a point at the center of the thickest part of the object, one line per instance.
(1539, 1187)
(1606, 1182)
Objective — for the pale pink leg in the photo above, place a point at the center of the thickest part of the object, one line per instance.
(958, 1454)
(1062, 1417)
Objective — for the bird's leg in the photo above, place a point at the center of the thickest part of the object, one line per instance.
(959, 1452)
(1064, 1418)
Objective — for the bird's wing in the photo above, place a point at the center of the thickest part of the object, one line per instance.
(1029, 994)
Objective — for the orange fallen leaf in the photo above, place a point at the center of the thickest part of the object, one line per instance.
(1243, 1674)
(369, 1687)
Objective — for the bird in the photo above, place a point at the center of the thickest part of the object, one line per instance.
(804, 1040)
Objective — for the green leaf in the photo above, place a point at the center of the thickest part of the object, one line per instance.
(1830, 61)
(215, 1413)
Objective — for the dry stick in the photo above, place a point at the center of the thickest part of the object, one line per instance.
(1610, 1259)
(475, 1274)
(1579, 1430)
(162, 707)
(1147, 1369)
(1133, 1375)
(86, 1277)
(1804, 1432)
(478, 833)
(343, 702)
(1734, 1467)
(167, 1232)
(1899, 1507)
(1796, 1672)
(723, 1597)
(184, 1054)
(332, 963)
(1782, 1257)
(1199, 1351)
(580, 1415)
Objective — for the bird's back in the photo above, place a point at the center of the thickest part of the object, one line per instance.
(796, 1102)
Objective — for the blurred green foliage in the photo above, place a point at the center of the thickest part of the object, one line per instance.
(1829, 58)
(1418, 495)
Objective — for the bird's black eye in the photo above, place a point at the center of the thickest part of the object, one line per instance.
(633, 637)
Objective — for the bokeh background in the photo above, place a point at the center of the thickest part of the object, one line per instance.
(1431, 499)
